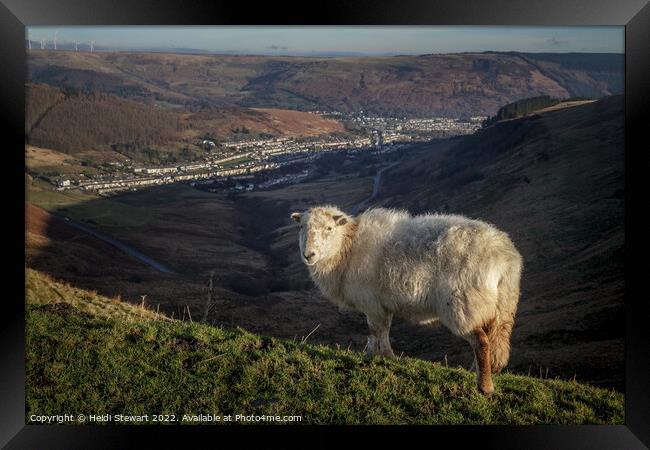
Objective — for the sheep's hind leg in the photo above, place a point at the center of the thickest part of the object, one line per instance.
(372, 347)
(481, 346)
(379, 340)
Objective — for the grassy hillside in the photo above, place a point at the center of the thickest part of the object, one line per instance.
(89, 354)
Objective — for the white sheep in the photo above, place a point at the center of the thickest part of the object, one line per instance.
(464, 273)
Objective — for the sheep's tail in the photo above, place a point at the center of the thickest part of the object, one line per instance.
(500, 329)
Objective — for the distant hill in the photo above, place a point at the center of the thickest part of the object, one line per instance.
(88, 353)
(554, 181)
(76, 120)
(447, 84)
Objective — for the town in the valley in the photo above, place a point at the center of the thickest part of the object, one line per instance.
(247, 165)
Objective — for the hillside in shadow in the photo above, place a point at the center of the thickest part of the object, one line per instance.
(555, 182)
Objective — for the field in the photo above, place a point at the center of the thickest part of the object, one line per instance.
(43, 160)
(42, 194)
(296, 123)
(232, 123)
(234, 162)
(85, 352)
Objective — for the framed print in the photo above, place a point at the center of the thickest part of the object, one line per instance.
(375, 214)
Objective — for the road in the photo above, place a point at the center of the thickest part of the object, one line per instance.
(117, 244)
(375, 188)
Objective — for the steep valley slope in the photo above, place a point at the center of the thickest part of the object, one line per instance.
(554, 181)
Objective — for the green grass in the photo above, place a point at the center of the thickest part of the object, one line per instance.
(234, 162)
(44, 196)
(92, 355)
(133, 209)
(107, 213)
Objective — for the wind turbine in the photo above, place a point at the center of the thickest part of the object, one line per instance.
(92, 46)
(76, 44)
(42, 44)
(55, 34)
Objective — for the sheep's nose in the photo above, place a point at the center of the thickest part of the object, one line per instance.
(309, 255)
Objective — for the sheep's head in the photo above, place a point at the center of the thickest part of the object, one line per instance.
(322, 233)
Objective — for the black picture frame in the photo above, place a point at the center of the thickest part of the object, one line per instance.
(15, 15)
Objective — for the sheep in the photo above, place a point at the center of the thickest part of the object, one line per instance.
(461, 272)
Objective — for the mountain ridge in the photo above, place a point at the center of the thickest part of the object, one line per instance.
(446, 84)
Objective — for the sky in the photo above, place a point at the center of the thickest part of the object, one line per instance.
(333, 40)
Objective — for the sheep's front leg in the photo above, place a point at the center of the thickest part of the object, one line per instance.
(378, 340)
(483, 360)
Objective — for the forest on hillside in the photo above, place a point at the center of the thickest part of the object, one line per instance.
(78, 121)
(39, 98)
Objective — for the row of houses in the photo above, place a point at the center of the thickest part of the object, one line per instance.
(277, 146)
(189, 167)
(129, 183)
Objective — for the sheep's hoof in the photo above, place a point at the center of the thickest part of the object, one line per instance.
(486, 390)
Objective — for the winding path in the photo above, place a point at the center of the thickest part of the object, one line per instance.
(375, 188)
(115, 243)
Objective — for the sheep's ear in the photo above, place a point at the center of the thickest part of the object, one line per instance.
(340, 220)
(296, 216)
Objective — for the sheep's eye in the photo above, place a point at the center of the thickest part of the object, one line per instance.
(329, 228)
